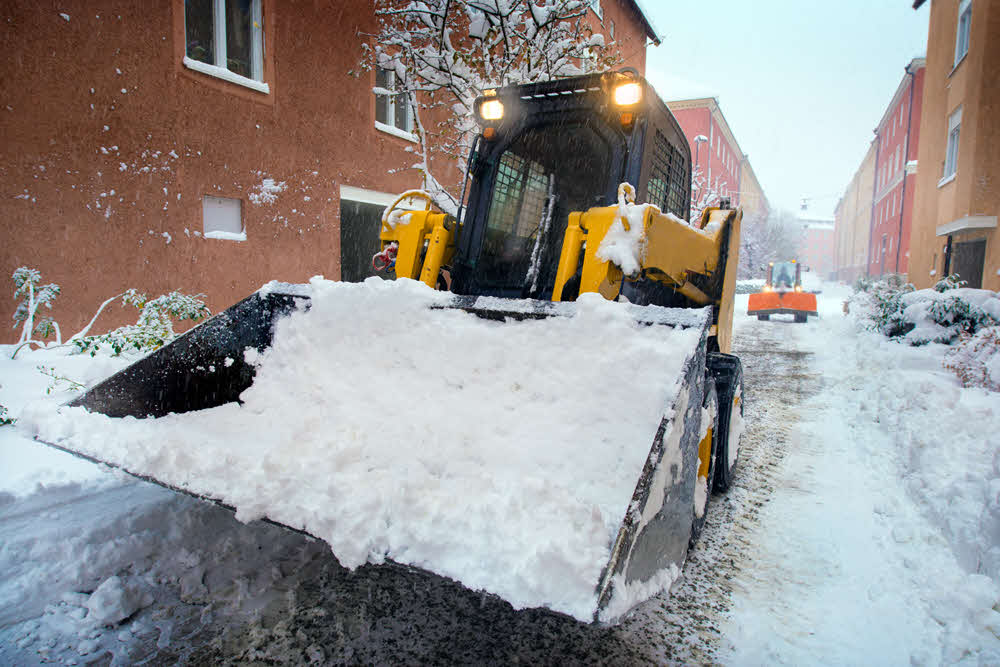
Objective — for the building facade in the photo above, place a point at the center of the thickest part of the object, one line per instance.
(958, 189)
(721, 168)
(852, 222)
(897, 140)
(816, 249)
(207, 146)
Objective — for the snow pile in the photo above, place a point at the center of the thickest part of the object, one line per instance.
(947, 435)
(500, 455)
(879, 542)
(969, 319)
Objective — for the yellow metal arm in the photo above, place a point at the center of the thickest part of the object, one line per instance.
(425, 239)
(671, 252)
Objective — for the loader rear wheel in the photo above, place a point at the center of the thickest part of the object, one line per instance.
(801, 317)
(728, 373)
(763, 318)
(707, 451)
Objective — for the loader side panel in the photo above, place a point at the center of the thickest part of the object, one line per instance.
(657, 527)
(201, 369)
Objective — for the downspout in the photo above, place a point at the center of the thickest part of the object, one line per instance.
(906, 159)
(871, 221)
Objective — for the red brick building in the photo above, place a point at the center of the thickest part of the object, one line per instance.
(202, 145)
(716, 155)
(896, 143)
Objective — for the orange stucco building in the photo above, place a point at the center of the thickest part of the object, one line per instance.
(958, 182)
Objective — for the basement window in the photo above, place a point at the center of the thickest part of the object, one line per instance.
(225, 39)
(223, 218)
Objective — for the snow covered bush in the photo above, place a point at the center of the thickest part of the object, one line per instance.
(949, 314)
(951, 282)
(28, 288)
(4, 419)
(154, 327)
(976, 359)
(896, 309)
(881, 303)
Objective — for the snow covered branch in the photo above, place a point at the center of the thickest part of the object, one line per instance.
(445, 53)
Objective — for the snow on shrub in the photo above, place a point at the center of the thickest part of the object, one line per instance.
(28, 288)
(948, 314)
(154, 327)
(939, 315)
(976, 359)
(4, 419)
(750, 286)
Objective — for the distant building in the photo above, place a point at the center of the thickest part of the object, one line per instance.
(721, 165)
(852, 222)
(816, 246)
(958, 188)
(874, 217)
(897, 138)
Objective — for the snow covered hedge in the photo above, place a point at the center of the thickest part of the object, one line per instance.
(965, 318)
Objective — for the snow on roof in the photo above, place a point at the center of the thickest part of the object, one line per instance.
(644, 15)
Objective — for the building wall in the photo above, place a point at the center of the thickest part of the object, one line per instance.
(897, 140)
(816, 248)
(852, 221)
(719, 159)
(111, 144)
(751, 196)
(966, 207)
(622, 18)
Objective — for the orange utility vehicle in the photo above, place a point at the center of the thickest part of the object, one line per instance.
(782, 294)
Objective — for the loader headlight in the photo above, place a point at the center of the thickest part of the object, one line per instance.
(627, 94)
(491, 110)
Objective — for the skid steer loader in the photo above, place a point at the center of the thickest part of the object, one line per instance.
(783, 294)
(550, 217)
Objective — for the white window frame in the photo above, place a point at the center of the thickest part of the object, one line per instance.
(393, 101)
(951, 152)
(963, 31)
(219, 68)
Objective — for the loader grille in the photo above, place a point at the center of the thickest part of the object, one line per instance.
(667, 187)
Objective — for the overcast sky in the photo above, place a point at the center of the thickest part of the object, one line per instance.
(802, 83)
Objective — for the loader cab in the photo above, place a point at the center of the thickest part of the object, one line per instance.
(552, 148)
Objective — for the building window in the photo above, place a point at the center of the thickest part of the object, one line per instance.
(951, 157)
(225, 38)
(223, 218)
(596, 6)
(964, 25)
(392, 113)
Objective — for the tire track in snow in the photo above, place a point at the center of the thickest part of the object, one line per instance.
(777, 378)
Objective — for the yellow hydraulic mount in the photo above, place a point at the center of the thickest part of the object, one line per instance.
(407, 233)
(672, 252)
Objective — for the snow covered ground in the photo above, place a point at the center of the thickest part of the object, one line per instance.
(878, 543)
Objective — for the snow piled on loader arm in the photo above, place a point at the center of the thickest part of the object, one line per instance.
(500, 454)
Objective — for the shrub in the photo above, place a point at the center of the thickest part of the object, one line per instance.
(4, 419)
(951, 282)
(154, 328)
(32, 294)
(976, 359)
